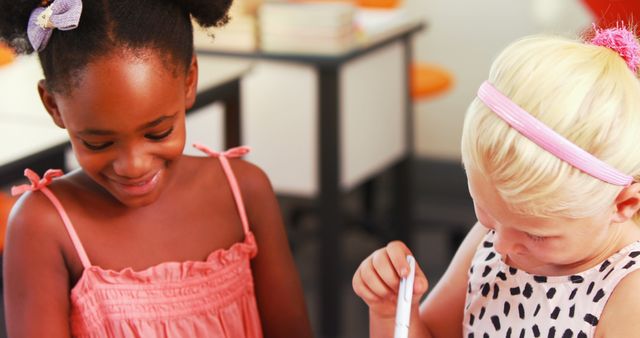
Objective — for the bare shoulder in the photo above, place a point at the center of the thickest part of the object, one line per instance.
(33, 216)
(250, 177)
(34, 223)
(620, 315)
(255, 187)
(253, 181)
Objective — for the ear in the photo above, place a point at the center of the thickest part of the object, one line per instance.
(627, 203)
(50, 104)
(191, 83)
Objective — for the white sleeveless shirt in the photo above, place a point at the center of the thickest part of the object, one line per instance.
(503, 301)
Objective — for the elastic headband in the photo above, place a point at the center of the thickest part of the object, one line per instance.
(548, 139)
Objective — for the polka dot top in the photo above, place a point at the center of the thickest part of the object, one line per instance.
(503, 301)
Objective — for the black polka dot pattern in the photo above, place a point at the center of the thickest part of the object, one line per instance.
(503, 301)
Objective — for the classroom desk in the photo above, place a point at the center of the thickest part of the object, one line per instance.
(28, 137)
(327, 202)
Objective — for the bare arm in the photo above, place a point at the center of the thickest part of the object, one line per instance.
(440, 315)
(36, 280)
(620, 315)
(443, 309)
(277, 283)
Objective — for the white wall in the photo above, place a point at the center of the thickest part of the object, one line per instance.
(464, 36)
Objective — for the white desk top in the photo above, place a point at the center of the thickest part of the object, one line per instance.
(25, 126)
(18, 140)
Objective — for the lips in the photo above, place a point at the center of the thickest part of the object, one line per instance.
(138, 187)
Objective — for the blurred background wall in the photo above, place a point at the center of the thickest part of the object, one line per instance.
(464, 36)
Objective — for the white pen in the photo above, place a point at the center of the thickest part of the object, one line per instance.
(405, 293)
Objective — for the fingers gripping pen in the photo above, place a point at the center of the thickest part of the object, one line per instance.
(405, 293)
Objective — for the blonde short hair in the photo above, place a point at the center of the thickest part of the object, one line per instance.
(584, 92)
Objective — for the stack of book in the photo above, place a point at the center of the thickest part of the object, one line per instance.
(318, 28)
(377, 23)
(240, 34)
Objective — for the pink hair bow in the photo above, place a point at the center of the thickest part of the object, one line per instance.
(60, 14)
(37, 183)
(230, 153)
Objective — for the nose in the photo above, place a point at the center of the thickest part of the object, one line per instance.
(132, 162)
(505, 241)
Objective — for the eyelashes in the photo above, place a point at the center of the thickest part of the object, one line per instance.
(96, 146)
(104, 145)
(536, 238)
(160, 136)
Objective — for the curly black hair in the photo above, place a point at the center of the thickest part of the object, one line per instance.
(107, 25)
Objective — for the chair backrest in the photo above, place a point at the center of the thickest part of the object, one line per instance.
(608, 13)
(6, 203)
(6, 54)
(429, 80)
(378, 3)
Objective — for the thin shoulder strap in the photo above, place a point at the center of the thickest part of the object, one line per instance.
(38, 184)
(231, 177)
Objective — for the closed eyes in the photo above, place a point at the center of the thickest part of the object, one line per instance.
(103, 145)
(535, 238)
(160, 136)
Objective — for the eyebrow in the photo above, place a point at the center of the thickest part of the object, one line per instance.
(151, 124)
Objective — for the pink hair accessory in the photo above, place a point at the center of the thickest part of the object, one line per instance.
(622, 41)
(548, 139)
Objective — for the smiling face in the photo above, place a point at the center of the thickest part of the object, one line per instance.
(547, 246)
(126, 122)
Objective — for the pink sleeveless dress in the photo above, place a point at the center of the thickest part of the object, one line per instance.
(211, 298)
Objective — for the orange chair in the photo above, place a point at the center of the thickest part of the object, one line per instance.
(427, 80)
(6, 54)
(381, 4)
(6, 202)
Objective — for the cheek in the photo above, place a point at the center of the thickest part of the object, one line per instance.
(174, 147)
(560, 251)
(483, 218)
(88, 160)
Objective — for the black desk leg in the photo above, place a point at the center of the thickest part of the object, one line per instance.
(229, 94)
(403, 173)
(232, 118)
(330, 272)
(402, 198)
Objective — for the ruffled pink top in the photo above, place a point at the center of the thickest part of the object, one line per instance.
(211, 298)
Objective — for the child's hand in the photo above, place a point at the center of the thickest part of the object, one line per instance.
(378, 277)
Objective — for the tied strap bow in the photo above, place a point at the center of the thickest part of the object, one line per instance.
(230, 153)
(61, 14)
(37, 183)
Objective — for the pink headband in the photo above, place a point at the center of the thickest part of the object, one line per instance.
(547, 138)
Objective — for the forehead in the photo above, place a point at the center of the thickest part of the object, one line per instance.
(486, 196)
(122, 87)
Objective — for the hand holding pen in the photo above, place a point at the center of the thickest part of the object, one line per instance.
(378, 280)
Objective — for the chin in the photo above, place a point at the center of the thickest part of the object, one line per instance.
(135, 202)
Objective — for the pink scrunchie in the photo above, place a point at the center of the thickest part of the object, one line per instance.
(622, 41)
